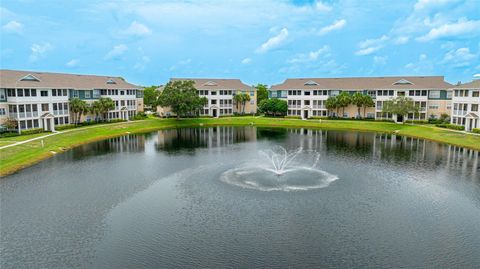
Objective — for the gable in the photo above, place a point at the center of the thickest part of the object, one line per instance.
(403, 82)
(210, 83)
(310, 83)
(110, 81)
(29, 77)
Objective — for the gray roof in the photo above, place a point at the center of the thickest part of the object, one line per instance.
(13, 79)
(361, 83)
(470, 85)
(216, 83)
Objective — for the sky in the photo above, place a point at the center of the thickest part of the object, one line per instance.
(267, 41)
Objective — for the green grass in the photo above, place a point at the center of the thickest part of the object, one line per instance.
(10, 140)
(17, 157)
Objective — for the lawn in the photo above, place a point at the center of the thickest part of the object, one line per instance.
(17, 157)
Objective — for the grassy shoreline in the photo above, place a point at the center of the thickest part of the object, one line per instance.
(17, 157)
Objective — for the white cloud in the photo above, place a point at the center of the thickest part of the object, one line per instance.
(274, 41)
(322, 7)
(39, 51)
(12, 27)
(185, 62)
(424, 4)
(401, 40)
(370, 46)
(455, 29)
(116, 51)
(311, 56)
(246, 61)
(476, 75)
(422, 67)
(72, 63)
(461, 57)
(336, 25)
(138, 29)
(141, 64)
(380, 60)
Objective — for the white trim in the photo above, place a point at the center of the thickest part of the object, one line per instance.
(403, 82)
(29, 77)
(210, 83)
(310, 83)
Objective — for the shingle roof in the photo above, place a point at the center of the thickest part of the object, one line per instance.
(360, 83)
(215, 83)
(12, 79)
(471, 85)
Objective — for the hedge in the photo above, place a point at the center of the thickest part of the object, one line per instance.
(417, 121)
(476, 130)
(64, 127)
(293, 117)
(33, 131)
(451, 126)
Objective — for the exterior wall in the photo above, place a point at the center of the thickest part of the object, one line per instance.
(29, 106)
(466, 108)
(438, 107)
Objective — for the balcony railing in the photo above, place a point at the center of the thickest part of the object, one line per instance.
(459, 112)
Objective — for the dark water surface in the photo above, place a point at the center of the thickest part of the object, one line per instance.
(159, 201)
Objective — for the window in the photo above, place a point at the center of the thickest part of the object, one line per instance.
(33, 92)
(44, 93)
(54, 92)
(475, 107)
(475, 94)
(96, 94)
(87, 94)
(2, 94)
(434, 94)
(65, 92)
(213, 93)
(273, 94)
(75, 93)
(27, 92)
(20, 92)
(2, 111)
(433, 106)
(44, 107)
(11, 92)
(122, 92)
(307, 92)
(252, 93)
(449, 94)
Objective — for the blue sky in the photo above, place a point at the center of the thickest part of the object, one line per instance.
(147, 42)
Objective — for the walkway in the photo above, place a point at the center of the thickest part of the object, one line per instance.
(61, 132)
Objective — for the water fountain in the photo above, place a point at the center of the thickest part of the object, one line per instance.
(284, 171)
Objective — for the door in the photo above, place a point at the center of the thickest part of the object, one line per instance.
(305, 114)
(399, 118)
(214, 113)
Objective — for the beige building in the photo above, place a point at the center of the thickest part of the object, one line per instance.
(465, 105)
(306, 97)
(41, 99)
(220, 93)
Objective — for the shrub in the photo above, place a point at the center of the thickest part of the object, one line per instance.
(318, 118)
(8, 134)
(476, 130)
(115, 121)
(32, 131)
(385, 120)
(65, 127)
(451, 126)
(293, 117)
(139, 116)
(417, 121)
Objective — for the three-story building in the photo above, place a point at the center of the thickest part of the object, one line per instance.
(307, 97)
(465, 105)
(41, 99)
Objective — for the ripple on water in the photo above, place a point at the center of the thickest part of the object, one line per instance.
(263, 179)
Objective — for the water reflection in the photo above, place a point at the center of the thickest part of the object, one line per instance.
(128, 143)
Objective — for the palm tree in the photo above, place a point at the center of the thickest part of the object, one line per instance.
(367, 102)
(96, 109)
(245, 99)
(78, 107)
(331, 103)
(344, 100)
(358, 100)
(238, 99)
(105, 104)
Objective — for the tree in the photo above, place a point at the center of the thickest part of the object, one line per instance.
(105, 104)
(344, 99)
(150, 95)
(331, 103)
(367, 102)
(241, 100)
(400, 106)
(78, 107)
(273, 107)
(10, 124)
(262, 92)
(358, 100)
(182, 98)
(95, 108)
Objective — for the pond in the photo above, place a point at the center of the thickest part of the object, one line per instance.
(246, 197)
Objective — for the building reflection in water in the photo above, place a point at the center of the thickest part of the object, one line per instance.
(173, 140)
(128, 143)
(387, 147)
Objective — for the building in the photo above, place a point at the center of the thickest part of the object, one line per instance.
(465, 103)
(41, 99)
(220, 93)
(306, 97)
